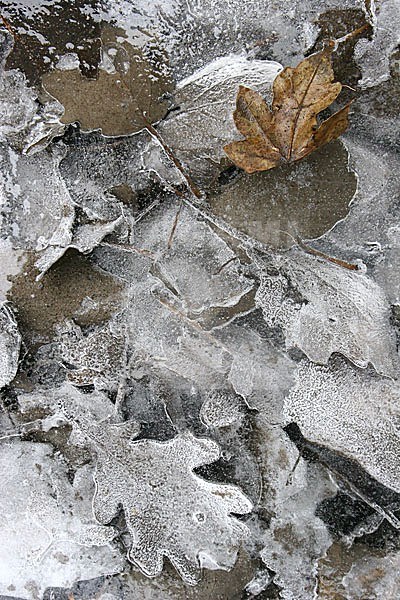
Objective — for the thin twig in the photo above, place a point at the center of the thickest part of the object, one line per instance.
(352, 34)
(228, 262)
(177, 191)
(8, 27)
(190, 183)
(174, 225)
(289, 479)
(332, 259)
(337, 261)
(192, 187)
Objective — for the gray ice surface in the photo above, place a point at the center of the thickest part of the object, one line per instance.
(189, 394)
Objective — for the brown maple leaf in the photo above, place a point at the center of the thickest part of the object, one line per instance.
(288, 130)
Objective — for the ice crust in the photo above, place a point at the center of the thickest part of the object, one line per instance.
(297, 538)
(352, 411)
(204, 124)
(47, 528)
(10, 343)
(342, 312)
(161, 480)
(176, 400)
(374, 56)
(25, 124)
(150, 480)
(37, 211)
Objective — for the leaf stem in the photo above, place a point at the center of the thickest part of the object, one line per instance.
(332, 259)
(189, 181)
(351, 35)
(174, 225)
(222, 267)
(337, 261)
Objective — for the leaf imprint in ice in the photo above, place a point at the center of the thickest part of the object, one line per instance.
(169, 510)
(128, 84)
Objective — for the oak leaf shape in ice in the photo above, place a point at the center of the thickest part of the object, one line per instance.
(169, 510)
(288, 130)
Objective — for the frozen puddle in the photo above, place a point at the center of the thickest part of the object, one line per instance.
(198, 366)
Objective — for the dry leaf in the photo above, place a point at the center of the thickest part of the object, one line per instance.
(201, 127)
(288, 131)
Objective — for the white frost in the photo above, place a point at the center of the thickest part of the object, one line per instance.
(351, 411)
(10, 342)
(46, 524)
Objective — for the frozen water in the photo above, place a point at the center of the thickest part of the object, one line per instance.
(210, 285)
(221, 409)
(10, 342)
(10, 264)
(161, 480)
(297, 538)
(360, 581)
(37, 209)
(97, 358)
(47, 528)
(352, 411)
(59, 402)
(259, 371)
(113, 101)
(204, 123)
(24, 123)
(166, 341)
(344, 311)
(373, 56)
(386, 271)
(374, 204)
(150, 480)
(84, 239)
(17, 103)
(195, 33)
(161, 288)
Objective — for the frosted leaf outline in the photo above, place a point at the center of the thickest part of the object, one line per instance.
(157, 471)
(169, 510)
(342, 312)
(351, 411)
